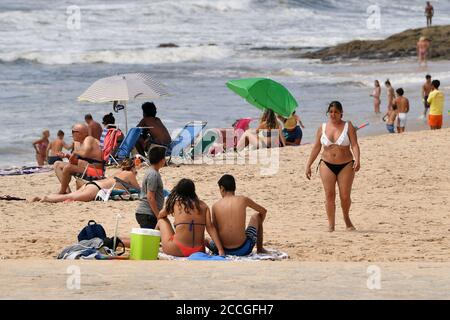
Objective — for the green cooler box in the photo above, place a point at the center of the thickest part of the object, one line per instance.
(144, 244)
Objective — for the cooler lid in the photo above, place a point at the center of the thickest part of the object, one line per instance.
(146, 232)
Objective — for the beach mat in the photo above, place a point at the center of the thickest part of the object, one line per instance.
(15, 171)
(272, 255)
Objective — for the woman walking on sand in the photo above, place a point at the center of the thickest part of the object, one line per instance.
(41, 146)
(339, 162)
(376, 97)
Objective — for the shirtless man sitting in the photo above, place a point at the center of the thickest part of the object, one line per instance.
(154, 128)
(228, 216)
(402, 104)
(89, 149)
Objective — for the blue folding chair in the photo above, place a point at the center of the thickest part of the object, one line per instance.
(127, 144)
(185, 138)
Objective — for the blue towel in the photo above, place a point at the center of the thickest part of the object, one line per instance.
(203, 256)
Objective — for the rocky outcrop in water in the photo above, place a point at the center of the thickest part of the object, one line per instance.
(399, 45)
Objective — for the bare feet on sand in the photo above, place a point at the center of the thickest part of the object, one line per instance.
(262, 250)
(350, 228)
(35, 199)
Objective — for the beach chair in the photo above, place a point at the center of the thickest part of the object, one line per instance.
(229, 137)
(110, 144)
(184, 140)
(127, 144)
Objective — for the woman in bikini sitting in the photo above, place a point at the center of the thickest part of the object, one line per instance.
(89, 191)
(265, 136)
(340, 160)
(191, 216)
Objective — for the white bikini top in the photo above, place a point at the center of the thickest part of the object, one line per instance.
(343, 139)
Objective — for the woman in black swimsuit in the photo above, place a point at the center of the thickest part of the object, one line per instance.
(339, 162)
(89, 191)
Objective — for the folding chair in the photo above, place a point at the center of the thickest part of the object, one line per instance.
(185, 138)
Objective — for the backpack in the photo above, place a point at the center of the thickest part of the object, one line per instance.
(93, 230)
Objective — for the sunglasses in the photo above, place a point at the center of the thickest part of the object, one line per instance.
(74, 131)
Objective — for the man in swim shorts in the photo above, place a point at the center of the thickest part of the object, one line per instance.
(426, 89)
(229, 215)
(436, 101)
(88, 154)
(402, 104)
(55, 147)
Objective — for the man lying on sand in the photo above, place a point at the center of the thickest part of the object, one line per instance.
(88, 151)
(89, 191)
(228, 215)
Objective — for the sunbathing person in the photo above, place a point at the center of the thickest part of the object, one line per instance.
(89, 191)
(267, 135)
(229, 215)
(192, 216)
(88, 153)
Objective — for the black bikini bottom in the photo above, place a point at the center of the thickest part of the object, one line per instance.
(335, 168)
(95, 184)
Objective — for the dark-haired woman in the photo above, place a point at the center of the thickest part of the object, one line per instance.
(268, 132)
(192, 217)
(109, 123)
(339, 162)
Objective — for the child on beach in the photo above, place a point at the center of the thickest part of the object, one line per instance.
(390, 117)
(55, 147)
(229, 215)
(151, 198)
(191, 218)
(41, 147)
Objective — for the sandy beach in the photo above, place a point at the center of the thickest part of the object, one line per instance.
(400, 208)
(400, 205)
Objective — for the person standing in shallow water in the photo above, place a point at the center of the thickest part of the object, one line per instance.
(376, 97)
(402, 104)
(41, 148)
(390, 94)
(338, 164)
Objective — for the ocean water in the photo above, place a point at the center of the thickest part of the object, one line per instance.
(47, 61)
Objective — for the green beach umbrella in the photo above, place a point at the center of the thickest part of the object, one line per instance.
(264, 94)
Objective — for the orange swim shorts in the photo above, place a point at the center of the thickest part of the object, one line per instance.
(94, 172)
(434, 120)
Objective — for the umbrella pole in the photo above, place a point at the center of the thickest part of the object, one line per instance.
(126, 118)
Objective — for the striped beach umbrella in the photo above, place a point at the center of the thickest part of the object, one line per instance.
(124, 87)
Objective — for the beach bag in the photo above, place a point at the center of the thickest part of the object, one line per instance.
(109, 242)
(92, 230)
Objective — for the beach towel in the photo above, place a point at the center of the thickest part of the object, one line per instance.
(272, 255)
(83, 249)
(15, 171)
